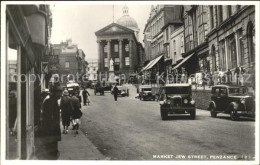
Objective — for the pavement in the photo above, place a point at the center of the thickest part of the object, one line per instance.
(77, 147)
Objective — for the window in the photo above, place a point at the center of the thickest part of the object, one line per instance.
(116, 60)
(229, 10)
(213, 55)
(94, 69)
(223, 56)
(106, 62)
(174, 45)
(220, 13)
(251, 42)
(211, 17)
(167, 34)
(127, 61)
(241, 47)
(116, 47)
(127, 47)
(105, 49)
(67, 64)
(233, 53)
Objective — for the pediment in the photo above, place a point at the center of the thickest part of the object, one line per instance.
(114, 29)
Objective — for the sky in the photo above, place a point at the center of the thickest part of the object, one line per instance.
(80, 22)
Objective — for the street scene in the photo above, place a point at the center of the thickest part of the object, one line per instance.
(130, 81)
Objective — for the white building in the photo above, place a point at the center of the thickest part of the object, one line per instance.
(92, 69)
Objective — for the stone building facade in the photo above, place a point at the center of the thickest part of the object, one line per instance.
(231, 38)
(92, 69)
(72, 64)
(119, 52)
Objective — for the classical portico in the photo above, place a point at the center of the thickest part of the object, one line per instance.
(118, 43)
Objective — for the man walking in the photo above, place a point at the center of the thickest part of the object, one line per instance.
(76, 113)
(85, 95)
(115, 92)
(50, 131)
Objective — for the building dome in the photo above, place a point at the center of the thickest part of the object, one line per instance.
(126, 20)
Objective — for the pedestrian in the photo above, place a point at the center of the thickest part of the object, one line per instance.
(76, 112)
(229, 76)
(66, 111)
(237, 73)
(50, 132)
(115, 92)
(85, 95)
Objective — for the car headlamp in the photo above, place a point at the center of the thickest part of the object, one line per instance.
(168, 101)
(243, 101)
(161, 102)
(192, 102)
(185, 101)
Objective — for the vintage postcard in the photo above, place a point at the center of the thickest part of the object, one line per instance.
(147, 81)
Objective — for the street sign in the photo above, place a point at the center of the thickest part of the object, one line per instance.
(51, 59)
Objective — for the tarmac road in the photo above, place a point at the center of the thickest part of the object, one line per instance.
(130, 129)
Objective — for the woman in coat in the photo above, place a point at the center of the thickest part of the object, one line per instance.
(76, 113)
(66, 110)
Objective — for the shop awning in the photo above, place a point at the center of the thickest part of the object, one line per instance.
(147, 66)
(155, 61)
(183, 61)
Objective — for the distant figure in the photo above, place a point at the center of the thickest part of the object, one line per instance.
(50, 131)
(76, 113)
(85, 95)
(229, 76)
(66, 111)
(115, 92)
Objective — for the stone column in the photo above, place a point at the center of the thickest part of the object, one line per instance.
(108, 53)
(131, 54)
(237, 49)
(121, 59)
(226, 55)
(99, 55)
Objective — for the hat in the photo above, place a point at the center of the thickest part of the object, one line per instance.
(56, 88)
(65, 93)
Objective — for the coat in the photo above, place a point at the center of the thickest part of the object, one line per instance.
(66, 107)
(50, 130)
(76, 113)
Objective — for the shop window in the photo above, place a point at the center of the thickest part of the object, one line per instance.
(116, 60)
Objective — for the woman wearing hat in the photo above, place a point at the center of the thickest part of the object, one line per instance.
(66, 110)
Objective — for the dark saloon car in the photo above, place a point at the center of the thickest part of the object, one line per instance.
(176, 99)
(145, 93)
(233, 100)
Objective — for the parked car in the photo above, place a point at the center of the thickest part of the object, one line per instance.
(176, 99)
(233, 100)
(145, 93)
(122, 91)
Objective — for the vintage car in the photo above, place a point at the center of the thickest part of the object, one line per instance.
(99, 89)
(72, 87)
(176, 99)
(145, 93)
(233, 100)
(122, 91)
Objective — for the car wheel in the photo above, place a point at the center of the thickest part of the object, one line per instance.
(233, 115)
(164, 114)
(193, 114)
(213, 112)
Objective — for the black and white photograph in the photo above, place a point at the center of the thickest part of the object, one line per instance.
(132, 81)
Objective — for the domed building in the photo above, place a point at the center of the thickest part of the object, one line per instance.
(128, 22)
(119, 51)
